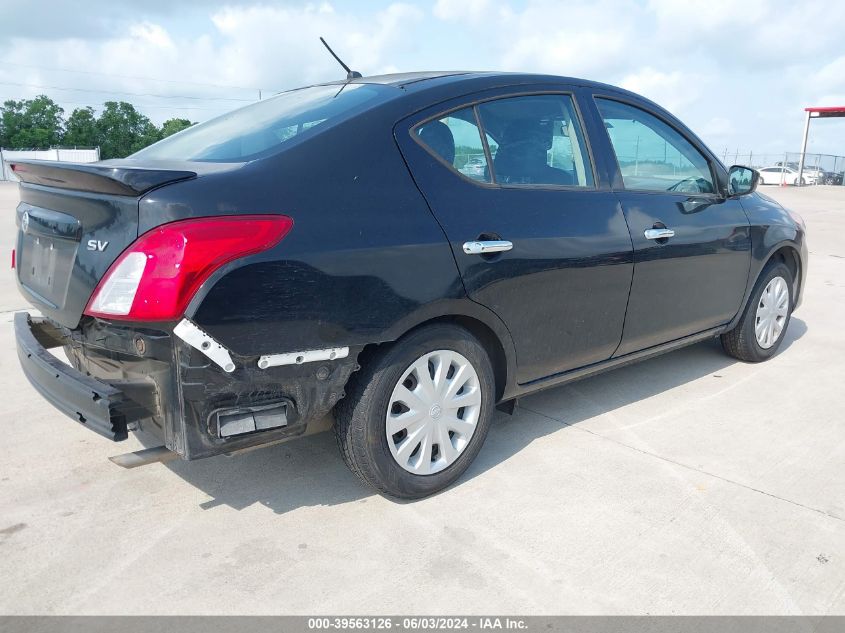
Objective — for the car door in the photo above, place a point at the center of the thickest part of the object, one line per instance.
(537, 236)
(692, 244)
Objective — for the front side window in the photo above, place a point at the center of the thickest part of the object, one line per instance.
(456, 140)
(536, 140)
(652, 155)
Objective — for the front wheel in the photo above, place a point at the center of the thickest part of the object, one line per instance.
(417, 413)
(762, 328)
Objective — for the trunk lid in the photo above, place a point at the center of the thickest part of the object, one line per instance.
(73, 221)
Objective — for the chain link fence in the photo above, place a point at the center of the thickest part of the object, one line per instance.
(819, 169)
(781, 168)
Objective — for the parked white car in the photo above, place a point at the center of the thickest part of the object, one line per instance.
(816, 173)
(776, 175)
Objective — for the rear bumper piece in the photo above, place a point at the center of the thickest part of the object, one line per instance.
(101, 407)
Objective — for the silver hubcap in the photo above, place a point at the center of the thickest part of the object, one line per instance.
(772, 312)
(433, 412)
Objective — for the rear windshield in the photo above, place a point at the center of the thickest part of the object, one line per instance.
(261, 128)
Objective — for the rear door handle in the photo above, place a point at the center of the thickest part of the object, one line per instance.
(487, 246)
(658, 234)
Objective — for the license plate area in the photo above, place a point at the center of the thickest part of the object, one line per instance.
(46, 252)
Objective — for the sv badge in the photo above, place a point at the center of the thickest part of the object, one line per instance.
(97, 245)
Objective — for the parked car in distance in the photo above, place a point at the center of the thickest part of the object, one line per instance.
(816, 173)
(474, 167)
(794, 165)
(319, 258)
(832, 178)
(776, 175)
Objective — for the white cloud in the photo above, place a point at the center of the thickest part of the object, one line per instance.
(472, 10)
(717, 127)
(279, 46)
(152, 34)
(673, 90)
(552, 37)
(565, 52)
(832, 75)
(260, 46)
(740, 77)
(706, 15)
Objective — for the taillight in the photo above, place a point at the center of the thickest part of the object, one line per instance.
(156, 277)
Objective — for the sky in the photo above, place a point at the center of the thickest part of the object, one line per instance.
(738, 73)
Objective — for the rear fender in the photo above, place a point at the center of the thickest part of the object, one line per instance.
(481, 322)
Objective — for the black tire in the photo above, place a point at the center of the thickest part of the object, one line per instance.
(360, 418)
(741, 342)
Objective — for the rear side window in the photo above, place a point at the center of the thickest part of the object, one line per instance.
(538, 141)
(262, 128)
(652, 155)
(530, 140)
(456, 140)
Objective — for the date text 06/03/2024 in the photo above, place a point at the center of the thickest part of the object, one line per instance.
(416, 623)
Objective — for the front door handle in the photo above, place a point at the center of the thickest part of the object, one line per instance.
(658, 234)
(487, 246)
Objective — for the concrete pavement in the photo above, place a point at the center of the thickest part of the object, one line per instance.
(687, 484)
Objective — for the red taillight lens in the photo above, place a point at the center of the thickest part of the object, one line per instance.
(156, 277)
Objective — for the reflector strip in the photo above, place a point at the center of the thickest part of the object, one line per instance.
(198, 339)
(297, 358)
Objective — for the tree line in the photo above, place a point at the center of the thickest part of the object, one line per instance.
(118, 131)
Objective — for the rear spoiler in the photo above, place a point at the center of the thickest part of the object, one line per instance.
(96, 177)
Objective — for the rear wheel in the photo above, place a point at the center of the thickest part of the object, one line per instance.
(761, 330)
(417, 413)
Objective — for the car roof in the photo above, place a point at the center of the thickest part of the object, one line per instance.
(436, 86)
(422, 80)
(403, 79)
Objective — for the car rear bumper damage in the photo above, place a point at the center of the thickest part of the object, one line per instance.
(101, 407)
(135, 379)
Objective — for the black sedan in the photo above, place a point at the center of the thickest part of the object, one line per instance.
(397, 256)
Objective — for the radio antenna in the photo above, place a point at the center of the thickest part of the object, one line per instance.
(350, 74)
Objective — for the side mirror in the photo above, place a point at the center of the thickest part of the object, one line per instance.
(742, 180)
